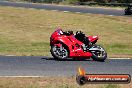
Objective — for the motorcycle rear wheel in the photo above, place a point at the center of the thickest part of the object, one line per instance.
(59, 53)
(100, 55)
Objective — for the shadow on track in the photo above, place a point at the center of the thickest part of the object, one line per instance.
(73, 59)
(68, 59)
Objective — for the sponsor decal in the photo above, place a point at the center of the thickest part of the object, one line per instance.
(83, 78)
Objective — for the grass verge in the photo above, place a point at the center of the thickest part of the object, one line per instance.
(52, 82)
(27, 31)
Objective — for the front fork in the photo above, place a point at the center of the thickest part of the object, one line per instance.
(87, 47)
(60, 46)
(96, 49)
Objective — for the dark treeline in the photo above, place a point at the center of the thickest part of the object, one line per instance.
(109, 1)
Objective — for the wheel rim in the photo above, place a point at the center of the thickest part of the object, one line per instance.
(60, 52)
(100, 53)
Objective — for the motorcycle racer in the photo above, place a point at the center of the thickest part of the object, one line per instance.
(83, 38)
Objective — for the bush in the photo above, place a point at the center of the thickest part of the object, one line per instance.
(72, 1)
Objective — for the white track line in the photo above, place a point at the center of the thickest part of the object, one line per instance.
(76, 12)
(66, 11)
(110, 15)
(9, 55)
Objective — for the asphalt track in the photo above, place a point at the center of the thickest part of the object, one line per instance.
(46, 66)
(110, 12)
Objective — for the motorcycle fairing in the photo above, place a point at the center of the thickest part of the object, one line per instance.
(74, 46)
(93, 38)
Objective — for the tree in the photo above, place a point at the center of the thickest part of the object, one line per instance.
(101, 1)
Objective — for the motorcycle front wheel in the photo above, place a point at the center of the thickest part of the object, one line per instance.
(59, 53)
(100, 54)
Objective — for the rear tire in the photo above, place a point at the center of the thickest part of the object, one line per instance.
(59, 53)
(99, 55)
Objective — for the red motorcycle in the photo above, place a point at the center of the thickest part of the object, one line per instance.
(68, 45)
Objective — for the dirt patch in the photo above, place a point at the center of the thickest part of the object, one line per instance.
(121, 56)
(52, 82)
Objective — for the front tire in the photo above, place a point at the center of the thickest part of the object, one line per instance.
(60, 53)
(99, 55)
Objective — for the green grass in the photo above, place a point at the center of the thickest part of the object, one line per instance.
(27, 31)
